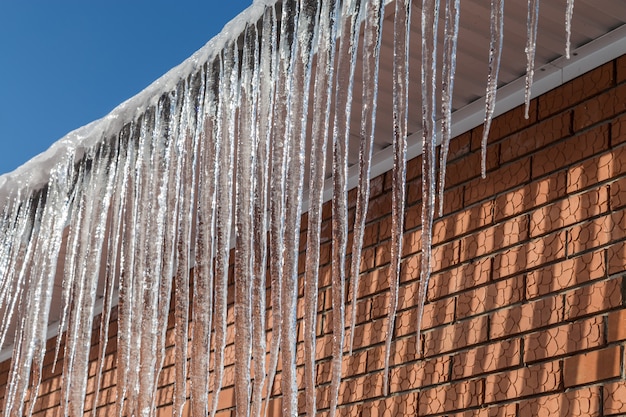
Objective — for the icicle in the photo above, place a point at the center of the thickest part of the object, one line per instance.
(264, 89)
(531, 47)
(295, 139)
(400, 117)
(243, 226)
(568, 27)
(203, 277)
(371, 55)
(346, 65)
(495, 54)
(278, 172)
(226, 135)
(451, 34)
(430, 17)
(317, 175)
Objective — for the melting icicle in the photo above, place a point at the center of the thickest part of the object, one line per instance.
(228, 94)
(371, 53)
(531, 47)
(317, 169)
(264, 89)
(568, 27)
(495, 54)
(400, 117)
(451, 34)
(243, 225)
(346, 65)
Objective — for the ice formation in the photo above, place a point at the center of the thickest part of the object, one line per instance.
(206, 170)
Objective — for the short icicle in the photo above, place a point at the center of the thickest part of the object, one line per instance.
(569, 12)
(495, 54)
(400, 120)
(531, 47)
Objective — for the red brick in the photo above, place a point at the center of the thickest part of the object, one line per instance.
(500, 410)
(526, 317)
(405, 404)
(464, 222)
(435, 313)
(594, 298)
(536, 137)
(581, 402)
(618, 130)
(615, 398)
(600, 108)
(445, 398)
(565, 274)
(461, 277)
(617, 326)
(487, 358)
(617, 194)
(576, 90)
(616, 258)
(523, 382)
(597, 232)
(494, 238)
(469, 167)
(505, 125)
(455, 336)
(419, 374)
(530, 196)
(564, 339)
(591, 367)
(490, 297)
(569, 211)
(601, 168)
(577, 148)
(531, 254)
(504, 178)
(621, 68)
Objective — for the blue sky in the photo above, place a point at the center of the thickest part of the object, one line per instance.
(66, 63)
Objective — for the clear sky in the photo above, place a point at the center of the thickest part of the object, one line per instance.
(65, 63)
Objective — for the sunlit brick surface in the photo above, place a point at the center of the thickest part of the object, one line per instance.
(525, 313)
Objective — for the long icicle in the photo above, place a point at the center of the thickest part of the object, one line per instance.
(348, 45)
(495, 54)
(531, 47)
(317, 175)
(375, 14)
(400, 120)
(430, 17)
(451, 34)
(265, 95)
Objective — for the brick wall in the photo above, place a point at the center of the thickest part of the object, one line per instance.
(525, 314)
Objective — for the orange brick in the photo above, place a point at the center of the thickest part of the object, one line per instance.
(597, 233)
(536, 137)
(506, 124)
(576, 90)
(565, 274)
(531, 254)
(617, 194)
(561, 154)
(462, 277)
(615, 398)
(616, 258)
(594, 298)
(523, 382)
(500, 410)
(591, 367)
(446, 398)
(600, 108)
(469, 167)
(526, 317)
(490, 297)
(530, 196)
(601, 168)
(617, 326)
(494, 238)
(402, 404)
(464, 222)
(564, 339)
(455, 336)
(504, 178)
(569, 211)
(486, 358)
(435, 313)
(580, 402)
(419, 374)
